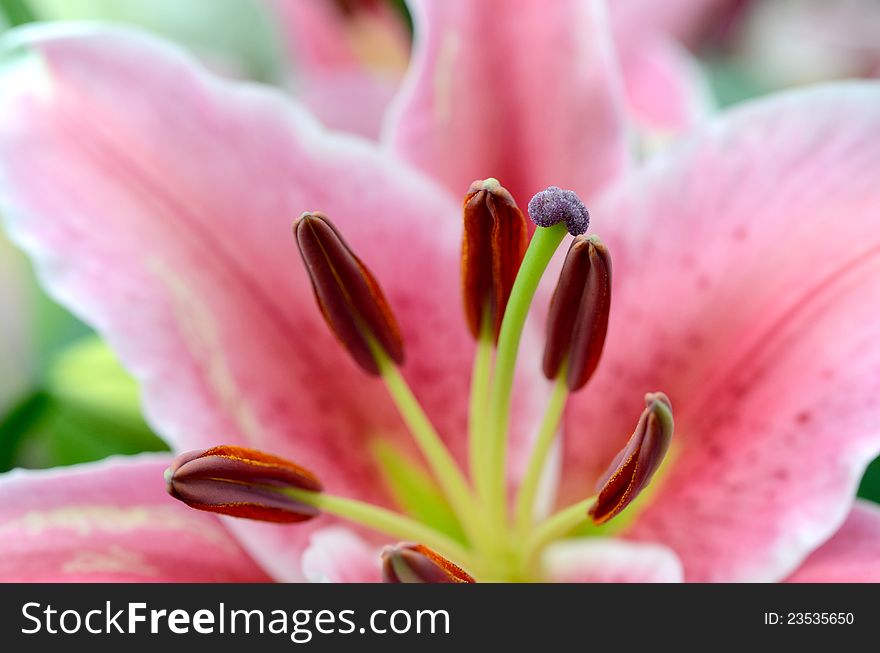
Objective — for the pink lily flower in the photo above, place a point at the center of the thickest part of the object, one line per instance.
(160, 211)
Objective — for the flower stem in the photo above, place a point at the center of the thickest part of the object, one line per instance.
(441, 462)
(538, 255)
(477, 414)
(546, 435)
(385, 521)
(554, 527)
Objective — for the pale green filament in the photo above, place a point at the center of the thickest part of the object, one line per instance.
(447, 473)
(557, 525)
(387, 522)
(478, 413)
(537, 461)
(541, 249)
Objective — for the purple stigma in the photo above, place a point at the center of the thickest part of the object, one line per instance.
(555, 205)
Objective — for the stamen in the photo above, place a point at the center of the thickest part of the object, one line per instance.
(493, 246)
(356, 310)
(241, 482)
(481, 375)
(635, 465)
(578, 318)
(441, 462)
(416, 563)
(554, 205)
(386, 522)
(349, 296)
(576, 327)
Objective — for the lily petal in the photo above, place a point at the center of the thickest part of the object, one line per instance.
(338, 555)
(167, 226)
(852, 555)
(513, 91)
(747, 271)
(666, 91)
(111, 521)
(606, 560)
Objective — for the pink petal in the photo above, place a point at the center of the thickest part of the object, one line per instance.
(603, 560)
(347, 64)
(747, 275)
(111, 521)
(514, 91)
(337, 555)
(350, 101)
(852, 555)
(166, 224)
(665, 89)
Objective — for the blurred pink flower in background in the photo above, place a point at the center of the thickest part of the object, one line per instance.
(346, 58)
(746, 276)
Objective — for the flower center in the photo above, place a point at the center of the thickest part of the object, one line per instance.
(501, 269)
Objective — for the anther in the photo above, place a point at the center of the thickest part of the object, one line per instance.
(493, 246)
(578, 318)
(635, 465)
(416, 563)
(241, 482)
(347, 293)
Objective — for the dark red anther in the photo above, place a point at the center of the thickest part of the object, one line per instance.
(635, 465)
(416, 563)
(241, 482)
(493, 246)
(578, 319)
(349, 296)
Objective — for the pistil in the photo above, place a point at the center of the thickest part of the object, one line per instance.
(556, 212)
(538, 255)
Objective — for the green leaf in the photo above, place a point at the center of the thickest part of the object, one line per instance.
(16, 12)
(88, 376)
(89, 409)
(67, 435)
(17, 423)
(870, 487)
(238, 37)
